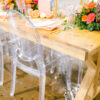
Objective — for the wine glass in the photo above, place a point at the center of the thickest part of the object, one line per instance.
(67, 8)
(72, 6)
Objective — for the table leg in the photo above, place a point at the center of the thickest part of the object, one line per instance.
(95, 89)
(88, 87)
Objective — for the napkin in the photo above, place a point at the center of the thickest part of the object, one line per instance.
(47, 24)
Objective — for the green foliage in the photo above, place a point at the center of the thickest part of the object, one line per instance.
(15, 5)
(98, 16)
(35, 7)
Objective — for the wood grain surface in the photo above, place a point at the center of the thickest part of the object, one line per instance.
(76, 43)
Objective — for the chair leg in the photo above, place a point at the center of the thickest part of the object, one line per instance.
(42, 86)
(52, 66)
(13, 78)
(42, 78)
(80, 73)
(2, 66)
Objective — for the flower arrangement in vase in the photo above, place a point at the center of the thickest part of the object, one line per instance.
(89, 17)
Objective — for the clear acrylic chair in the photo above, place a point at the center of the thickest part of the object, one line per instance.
(5, 39)
(51, 52)
(72, 68)
(25, 53)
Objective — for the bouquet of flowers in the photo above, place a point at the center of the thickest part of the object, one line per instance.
(89, 17)
(32, 3)
(11, 4)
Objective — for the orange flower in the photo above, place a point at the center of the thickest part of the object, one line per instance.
(8, 1)
(32, 5)
(10, 5)
(88, 10)
(84, 18)
(91, 5)
(28, 1)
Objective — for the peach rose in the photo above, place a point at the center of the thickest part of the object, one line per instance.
(35, 14)
(91, 17)
(10, 5)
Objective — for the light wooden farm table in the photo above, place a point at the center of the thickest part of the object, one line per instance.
(81, 44)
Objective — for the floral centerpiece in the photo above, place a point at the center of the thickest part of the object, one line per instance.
(11, 4)
(32, 3)
(89, 17)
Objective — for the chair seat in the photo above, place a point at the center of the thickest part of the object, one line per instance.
(25, 58)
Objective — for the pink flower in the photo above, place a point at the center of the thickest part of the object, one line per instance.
(23, 10)
(5, 6)
(97, 20)
(91, 17)
(16, 7)
(36, 1)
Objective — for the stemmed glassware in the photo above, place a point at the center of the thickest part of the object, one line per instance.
(72, 6)
(66, 8)
(20, 7)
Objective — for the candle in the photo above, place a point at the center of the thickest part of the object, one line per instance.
(55, 12)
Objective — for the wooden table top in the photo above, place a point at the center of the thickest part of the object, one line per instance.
(82, 39)
(68, 41)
